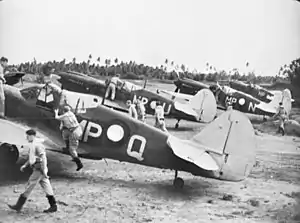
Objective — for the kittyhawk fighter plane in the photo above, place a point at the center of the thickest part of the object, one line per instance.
(202, 107)
(114, 135)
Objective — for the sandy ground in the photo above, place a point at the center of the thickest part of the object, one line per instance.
(123, 192)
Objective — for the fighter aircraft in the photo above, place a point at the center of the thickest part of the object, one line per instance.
(254, 90)
(114, 135)
(201, 107)
(248, 104)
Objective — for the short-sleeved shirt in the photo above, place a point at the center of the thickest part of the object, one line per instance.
(114, 80)
(36, 153)
(69, 120)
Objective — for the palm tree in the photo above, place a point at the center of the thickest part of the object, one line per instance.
(183, 67)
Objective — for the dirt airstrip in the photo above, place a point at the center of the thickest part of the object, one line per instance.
(121, 192)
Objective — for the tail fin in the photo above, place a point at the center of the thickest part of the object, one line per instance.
(230, 139)
(204, 103)
(285, 97)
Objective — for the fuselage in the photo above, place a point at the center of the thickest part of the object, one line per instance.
(106, 134)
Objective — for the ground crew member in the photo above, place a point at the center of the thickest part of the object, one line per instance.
(3, 62)
(71, 133)
(159, 117)
(141, 110)
(132, 110)
(111, 89)
(37, 160)
(229, 105)
(282, 116)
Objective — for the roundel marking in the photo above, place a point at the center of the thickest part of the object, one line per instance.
(242, 101)
(115, 133)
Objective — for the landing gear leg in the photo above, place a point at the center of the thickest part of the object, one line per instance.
(178, 182)
(177, 124)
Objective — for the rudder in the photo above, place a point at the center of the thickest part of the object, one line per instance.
(230, 139)
(204, 103)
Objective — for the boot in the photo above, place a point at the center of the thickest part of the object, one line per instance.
(78, 163)
(53, 206)
(18, 206)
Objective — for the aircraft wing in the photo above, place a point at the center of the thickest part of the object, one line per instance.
(192, 154)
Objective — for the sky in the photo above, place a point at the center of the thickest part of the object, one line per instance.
(224, 33)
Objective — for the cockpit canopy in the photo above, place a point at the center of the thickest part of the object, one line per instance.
(51, 96)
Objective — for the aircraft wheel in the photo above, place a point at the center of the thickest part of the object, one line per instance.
(176, 126)
(178, 183)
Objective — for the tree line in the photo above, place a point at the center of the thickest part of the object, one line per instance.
(167, 71)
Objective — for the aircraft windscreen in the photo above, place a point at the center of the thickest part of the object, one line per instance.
(46, 96)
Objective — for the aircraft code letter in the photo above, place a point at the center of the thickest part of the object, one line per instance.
(88, 131)
(138, 155)
(252, 106)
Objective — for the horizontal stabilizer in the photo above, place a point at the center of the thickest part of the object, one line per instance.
(198, 156)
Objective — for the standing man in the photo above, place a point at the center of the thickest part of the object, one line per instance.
(141, 110)
(37, 160)
(71, 133)
(132, 110)
(282, 116)
(111, 89)
(159, 117)
(3, 65)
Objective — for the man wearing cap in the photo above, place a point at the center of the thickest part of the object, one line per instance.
(111, 89)
(159, 117)
(132, 110)
(37, 160)
(71, 133)
(3, 65)
(282, 116)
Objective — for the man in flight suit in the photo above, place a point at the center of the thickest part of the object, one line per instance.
(282, 116)
(159, 117)
(111, 89)
(37, 160)
(3, 65)
(71, 133)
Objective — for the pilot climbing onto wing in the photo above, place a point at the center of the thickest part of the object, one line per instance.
(159, 117)
(282, 116)
(71, 133)
(111, 89)
(131, 109)
(141, 110)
